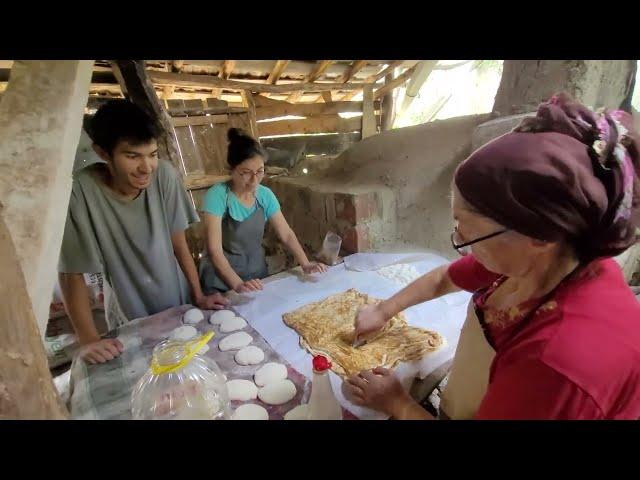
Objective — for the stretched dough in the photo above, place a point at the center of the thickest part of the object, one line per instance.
(220, 316)
(184, 333)
(242, 390)
(250, 355)
(235, 341)
(277, 393)
(232, 324)
(269, 373)
(250, 411)
(193, 316)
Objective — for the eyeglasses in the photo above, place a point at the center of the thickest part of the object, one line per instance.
(463, 248)
(248, 174)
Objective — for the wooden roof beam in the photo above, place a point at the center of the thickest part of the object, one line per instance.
(209, 82)
(320, 67)
(277, 71)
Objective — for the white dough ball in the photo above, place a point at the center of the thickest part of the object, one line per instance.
(277, 393)
(242, 390)
(235, 341)
(220, 316)
(232, 324)
(250, 411)
(250, 355)
(184, 333)
(193, 316)
(269, 373)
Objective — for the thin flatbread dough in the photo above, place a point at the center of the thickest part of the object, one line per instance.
(235, 341)
(232, 324)
(326, 327)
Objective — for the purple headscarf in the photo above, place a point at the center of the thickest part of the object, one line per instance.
(567, 174)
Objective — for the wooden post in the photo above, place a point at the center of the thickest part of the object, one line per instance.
(134, 81)
(26, 387)
(248, 102)
(368, 113)
(388, 106)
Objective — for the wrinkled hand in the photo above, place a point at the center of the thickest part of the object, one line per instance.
(314, 267)
(101, 351)
(249, 286)
(378, 389)
(369, 320)
(214, 301)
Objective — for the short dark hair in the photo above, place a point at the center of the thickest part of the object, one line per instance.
(242, 147)
(119, 120)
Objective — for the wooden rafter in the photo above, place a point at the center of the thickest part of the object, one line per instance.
(320, 67)
(374, 78)
(353, 69)
(396, 82)
(209, 82)
(277, 71)
(227, 68)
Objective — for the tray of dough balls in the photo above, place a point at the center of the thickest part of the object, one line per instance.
(261, 384)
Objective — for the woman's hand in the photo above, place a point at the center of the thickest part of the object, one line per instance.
(378, 389)
(369, 320)
(215, 301)
(249, 286)
(314, 267)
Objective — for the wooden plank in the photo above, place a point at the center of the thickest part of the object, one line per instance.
(182, 111)
(326, 97)
(199, 120)
(395, 83)
(189, 153)
(324, 124)
(283, 109)
(247, 100)
(208, 81)
(368, 113)
(277, 71)
(227, 68)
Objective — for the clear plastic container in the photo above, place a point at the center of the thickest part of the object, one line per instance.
(330, 249)
(181, 385)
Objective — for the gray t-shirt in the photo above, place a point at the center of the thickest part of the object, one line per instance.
(129, 241)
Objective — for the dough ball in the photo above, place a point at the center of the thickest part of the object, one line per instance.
(277, 393)
(242, 390)
(184, 333)
(235, 341)
(250, 411)
(232, 324)
(250, 355)
(193, 316)
(220, 316)
(269, 373)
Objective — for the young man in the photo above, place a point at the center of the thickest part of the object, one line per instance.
(127, 218)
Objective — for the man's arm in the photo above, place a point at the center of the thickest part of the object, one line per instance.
(75, 297)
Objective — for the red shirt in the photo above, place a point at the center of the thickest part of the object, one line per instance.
(578, 357)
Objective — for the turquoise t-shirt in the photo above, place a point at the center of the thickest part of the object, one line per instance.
(218, 196)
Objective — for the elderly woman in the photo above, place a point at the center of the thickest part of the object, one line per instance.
(552, 331)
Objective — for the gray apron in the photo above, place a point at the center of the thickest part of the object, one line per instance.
(242, 247)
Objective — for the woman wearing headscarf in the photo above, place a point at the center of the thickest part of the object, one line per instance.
(552, 331)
